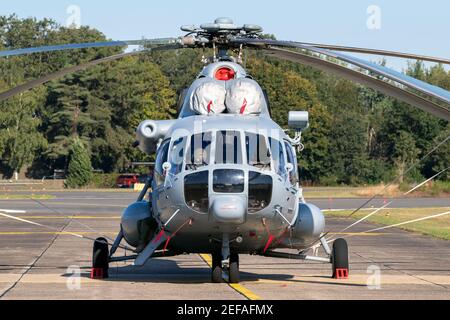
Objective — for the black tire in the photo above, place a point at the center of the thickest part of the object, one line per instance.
(100, 256)
(339, 257)
(234, 276)
(216, 270)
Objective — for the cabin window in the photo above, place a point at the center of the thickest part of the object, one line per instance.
(177, 155)
(278, 156)
(293, 175)
(196, 191)
(228, 181)
(259, 191)
(258, 154)
(161, 158)
(199, 152)
(228, 147)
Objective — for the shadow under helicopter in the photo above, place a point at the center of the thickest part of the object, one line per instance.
(168, 271)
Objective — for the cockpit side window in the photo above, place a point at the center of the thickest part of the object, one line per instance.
(228, 147)
(293, 175)
(177, 155)
(199, 151)
(278, 156)
(258, 154)
(161, 157)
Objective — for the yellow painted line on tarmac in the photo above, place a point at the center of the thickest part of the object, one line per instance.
(250, 295)
(52, 203)
(207, 258)
(68, 217)
(244, 291)
(70, 233)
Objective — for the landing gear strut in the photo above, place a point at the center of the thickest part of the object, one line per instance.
(100, 259)
(225, 260)
(218, 267)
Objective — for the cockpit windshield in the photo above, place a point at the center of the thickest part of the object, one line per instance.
(177, 155)
(199, 151)
(278, 156)
(228, 147)
(258, 154)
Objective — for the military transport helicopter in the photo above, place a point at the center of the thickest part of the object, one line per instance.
(226, 178)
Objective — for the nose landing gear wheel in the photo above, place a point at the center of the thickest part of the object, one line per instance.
(339, 259)
(216, 272)
(234, 268)
(100, 259)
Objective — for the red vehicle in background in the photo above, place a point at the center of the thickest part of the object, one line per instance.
(127, 180)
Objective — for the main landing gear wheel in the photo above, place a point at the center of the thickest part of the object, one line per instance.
(100, 259)
(339, 259)
(216, 272)
(234, 268)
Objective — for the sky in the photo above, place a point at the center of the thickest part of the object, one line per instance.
(400, 25)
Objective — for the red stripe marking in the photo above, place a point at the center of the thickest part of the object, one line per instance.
(174, 234)
(160, 235)
(166, 245)
(269, 242)
(209, 106)
(244, 105)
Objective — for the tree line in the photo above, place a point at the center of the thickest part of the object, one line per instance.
(357, 135)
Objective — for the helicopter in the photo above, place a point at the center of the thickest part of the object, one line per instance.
(226, 178)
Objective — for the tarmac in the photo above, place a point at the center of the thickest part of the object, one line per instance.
(47, 262)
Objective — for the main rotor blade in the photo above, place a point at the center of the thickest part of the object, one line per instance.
(61, 73)
(375, 83)
(73, 46)
(37, 82)
(378, 52)
(397, 92)
(393, 75)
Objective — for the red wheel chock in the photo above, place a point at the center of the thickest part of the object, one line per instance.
(341, 274)
(98, 273)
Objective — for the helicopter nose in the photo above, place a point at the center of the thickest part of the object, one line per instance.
(229, 209)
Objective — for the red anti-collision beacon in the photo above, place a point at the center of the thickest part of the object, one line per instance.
(225, 74)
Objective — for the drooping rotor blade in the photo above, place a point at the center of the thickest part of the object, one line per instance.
(37, 82)
(387, 53)
(61, 73)
(383, 86)
(374, 83)
(73, 46)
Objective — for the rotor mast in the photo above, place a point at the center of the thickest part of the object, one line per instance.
(218, 36)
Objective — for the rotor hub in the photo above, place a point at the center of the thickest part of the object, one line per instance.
(221, 32)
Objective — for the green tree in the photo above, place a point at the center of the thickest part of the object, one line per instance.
(79, 171)
(405, 153)
(440, 159)
(19, 136)
(67, 115)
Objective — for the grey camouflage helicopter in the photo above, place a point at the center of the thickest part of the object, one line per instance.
(226, 178)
